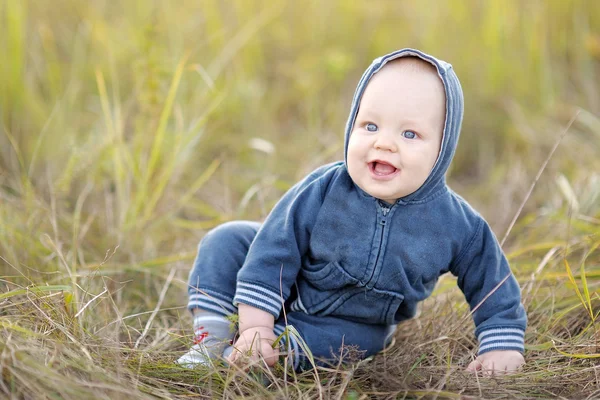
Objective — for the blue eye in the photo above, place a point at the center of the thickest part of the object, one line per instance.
(409, 134)
(371, 127)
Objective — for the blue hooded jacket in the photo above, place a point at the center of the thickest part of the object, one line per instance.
(340, 252)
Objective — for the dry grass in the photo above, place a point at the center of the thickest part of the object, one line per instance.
(128, 130)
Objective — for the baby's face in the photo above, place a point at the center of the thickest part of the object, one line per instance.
(398, 131)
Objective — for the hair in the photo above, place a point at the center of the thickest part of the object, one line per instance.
(413, 64)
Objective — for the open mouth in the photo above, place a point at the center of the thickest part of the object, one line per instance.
(382, 169)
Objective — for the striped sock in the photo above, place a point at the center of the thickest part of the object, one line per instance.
(212, 330)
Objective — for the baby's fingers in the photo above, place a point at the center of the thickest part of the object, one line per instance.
(244, 355)
(484, 368)
(270, 355)
(249, 356)
(474, 366)
(239, 356)
(512, 367)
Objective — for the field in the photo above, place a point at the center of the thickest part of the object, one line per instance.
(129, 129)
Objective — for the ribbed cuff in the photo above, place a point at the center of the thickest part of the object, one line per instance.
(259, 297)
(211, 301)
(501, 339)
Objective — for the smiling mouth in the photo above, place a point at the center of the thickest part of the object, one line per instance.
(382, 169)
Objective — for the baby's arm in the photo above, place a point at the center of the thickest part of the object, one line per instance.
(497, 362)
(494, 296)
(256, 336)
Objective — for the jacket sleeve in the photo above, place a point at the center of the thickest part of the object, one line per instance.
(274, 257)
(492, 291)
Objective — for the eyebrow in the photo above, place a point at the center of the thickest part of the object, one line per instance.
(368, 114)
(365, 113)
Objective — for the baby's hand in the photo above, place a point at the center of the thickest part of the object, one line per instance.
(252, 343)
(497, 362)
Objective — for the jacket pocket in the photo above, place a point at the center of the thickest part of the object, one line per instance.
(328, 289)
(320, 285)
(327, 276)
(372, 306)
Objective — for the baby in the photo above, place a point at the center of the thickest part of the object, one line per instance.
(351, 250)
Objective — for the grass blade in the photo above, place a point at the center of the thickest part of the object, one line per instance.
(586, 291)
(576, 355)
(572, 279)
(35, 289)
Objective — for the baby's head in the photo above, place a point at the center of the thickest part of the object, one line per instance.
(398, 131)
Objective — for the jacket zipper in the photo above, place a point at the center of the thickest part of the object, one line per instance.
(383, 221)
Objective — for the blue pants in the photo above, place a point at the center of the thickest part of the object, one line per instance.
(212, 284)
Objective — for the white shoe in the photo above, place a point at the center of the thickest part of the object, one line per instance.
(227, 352)
(198, 355)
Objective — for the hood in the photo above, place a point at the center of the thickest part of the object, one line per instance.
(452, 123)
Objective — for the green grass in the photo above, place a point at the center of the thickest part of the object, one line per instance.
(129, 129)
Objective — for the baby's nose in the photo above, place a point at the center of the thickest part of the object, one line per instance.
(386, 142)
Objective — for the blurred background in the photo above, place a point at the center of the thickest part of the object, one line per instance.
(128, 129)
(141, 124)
